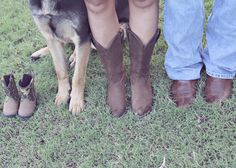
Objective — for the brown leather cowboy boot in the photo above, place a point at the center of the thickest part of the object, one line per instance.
(140, 74)
(112, 59)
(11, 104)
(218, 90)
(183, 92)
(28, 97)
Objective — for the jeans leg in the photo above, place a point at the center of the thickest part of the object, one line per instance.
(183, 30)
(220, 53)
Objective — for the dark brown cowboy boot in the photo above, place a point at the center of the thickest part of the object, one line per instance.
(183, 92)
(112, 59)
(218, 90)
(140, 72)
(28, 97)
(11, 104)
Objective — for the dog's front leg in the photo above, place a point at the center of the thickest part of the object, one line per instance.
(57, 51)
(72, 59)
(78, 82)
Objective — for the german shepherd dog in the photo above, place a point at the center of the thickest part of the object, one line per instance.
(66, 21)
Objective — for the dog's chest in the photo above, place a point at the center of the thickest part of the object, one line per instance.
(43, 7)
(65, 19)
(48, 7)
(63, 29)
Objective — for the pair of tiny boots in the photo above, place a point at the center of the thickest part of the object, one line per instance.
(112, 59)
(22, 104)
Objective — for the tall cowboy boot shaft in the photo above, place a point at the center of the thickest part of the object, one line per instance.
(140, 72)
(11, 104)
(28, 97)
(112, 60)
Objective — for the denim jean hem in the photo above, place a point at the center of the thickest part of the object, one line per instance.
(183, 76)
(221, 76)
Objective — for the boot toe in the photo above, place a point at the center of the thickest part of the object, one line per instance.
(9, 116)
(26, 109)
(25, 118)
(184, 101)
(141, 106)
(183, 92)
(142, 111)
(117, 109)
(216, 98)
(217, 90)
(118, 112)
(10, 108)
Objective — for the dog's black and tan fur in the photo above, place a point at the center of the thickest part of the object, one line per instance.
(66, 21)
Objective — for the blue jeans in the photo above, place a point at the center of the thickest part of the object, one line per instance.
(183, 30)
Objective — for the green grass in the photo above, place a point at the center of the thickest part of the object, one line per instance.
(202, 135)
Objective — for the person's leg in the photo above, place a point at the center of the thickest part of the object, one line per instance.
(144, 16)
(183, 30)
(220, 54)
(103, 20)
(142, 35)
(108, 41)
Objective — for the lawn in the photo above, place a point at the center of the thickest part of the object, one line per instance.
(203, 135)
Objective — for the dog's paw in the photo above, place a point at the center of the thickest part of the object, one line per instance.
(61, 98)
(76, 106)
(93, 47)
(72, 60)
(35, 57)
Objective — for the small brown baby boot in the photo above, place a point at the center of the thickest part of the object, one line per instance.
(12, 100)
(28, 97)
